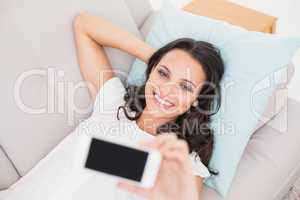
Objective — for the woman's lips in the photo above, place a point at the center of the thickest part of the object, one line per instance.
(165, 103)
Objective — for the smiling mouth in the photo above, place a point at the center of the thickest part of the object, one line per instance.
(165, 103)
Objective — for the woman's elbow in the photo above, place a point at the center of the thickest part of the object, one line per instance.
(79, 21)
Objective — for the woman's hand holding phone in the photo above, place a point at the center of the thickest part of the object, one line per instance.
(175, 179)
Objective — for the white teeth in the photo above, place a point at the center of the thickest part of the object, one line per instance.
(162, 101)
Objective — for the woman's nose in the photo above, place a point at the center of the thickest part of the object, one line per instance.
(168, 89)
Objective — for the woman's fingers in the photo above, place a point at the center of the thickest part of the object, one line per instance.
(134, 189)
(147, 143)
(177, 156)
(174, 145)
(171, 148)
(164, 138)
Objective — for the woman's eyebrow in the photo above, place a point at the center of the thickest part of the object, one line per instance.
(166, 68)
(181, 79)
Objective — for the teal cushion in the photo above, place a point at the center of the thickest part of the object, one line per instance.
(252, 60)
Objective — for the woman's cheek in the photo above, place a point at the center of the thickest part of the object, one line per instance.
(155, 82)
(185, 103)
(180, 103)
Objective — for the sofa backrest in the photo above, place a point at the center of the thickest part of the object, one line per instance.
(44, 98)
(140, 10)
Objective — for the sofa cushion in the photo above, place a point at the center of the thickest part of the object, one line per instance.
(44, 94)
(8, 174)
(4, 194)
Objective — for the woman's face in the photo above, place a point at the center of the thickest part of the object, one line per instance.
(173, 84)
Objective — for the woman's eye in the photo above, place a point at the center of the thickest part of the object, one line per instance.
(187, 88)
(162, 73)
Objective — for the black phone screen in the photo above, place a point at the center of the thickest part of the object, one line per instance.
(116, 159)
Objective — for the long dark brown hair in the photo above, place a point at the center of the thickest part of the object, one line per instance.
(194, 125)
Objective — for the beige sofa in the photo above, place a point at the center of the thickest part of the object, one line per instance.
(37, 47)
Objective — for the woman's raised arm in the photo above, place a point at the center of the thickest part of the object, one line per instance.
(91, 34)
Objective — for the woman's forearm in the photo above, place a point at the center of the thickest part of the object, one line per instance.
(107, 34)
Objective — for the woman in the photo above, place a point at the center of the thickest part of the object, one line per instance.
(182, 87)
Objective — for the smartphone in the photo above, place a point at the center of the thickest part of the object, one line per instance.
(122, 160)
